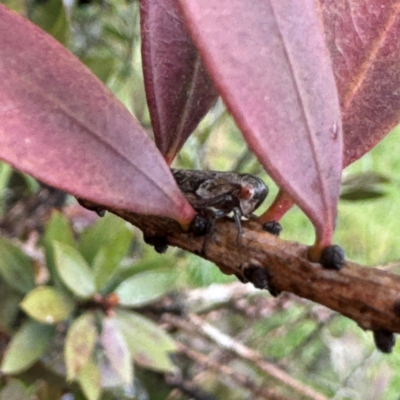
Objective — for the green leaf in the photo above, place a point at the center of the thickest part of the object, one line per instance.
(149, 344)
(116, 349)
(74, 270)
(79, 344)
(5, 174)
(146, 287)
(101, 234)
(101, 66)
(89, 380)
(9, 307)
(51, 17)
(47, 305)
(367, 178)
(16, 267)
(57, 229)
(362, 194)
(15, 390)
(109, 257)
(26, 346)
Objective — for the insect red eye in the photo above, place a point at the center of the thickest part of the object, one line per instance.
(246, 192)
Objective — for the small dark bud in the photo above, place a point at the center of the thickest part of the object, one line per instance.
(98, 210)
(273, 227)
(257, 276)
(158, 242)
(396, 308)
(273, 291)
(333, 257)
(241, 278)
(384, 340)
(201, 225)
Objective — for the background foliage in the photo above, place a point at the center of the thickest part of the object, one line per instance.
(58, 337)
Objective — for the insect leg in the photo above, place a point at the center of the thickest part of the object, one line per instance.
(237, 214)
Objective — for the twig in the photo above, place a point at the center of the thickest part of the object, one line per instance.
(228, 343)
(188, 388)
(369, 296)
(229, 373)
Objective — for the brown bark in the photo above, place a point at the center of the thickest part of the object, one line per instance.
(369, 296)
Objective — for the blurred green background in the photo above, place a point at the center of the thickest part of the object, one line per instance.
(313, 345)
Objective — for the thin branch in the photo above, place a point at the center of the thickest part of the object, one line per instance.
(227, 372)
(228, 343)
(369, 296)
(188, 388)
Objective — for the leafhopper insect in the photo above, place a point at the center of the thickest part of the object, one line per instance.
(217, 194)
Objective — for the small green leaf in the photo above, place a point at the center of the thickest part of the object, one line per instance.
(9, 307)
(367, 178)
(79, 344)
(101, 66)
(74, 270)
(16, 267)
(116, 349)
(57, 229)
(5, 174)
(101, 234)
(146, 287)
(362, 194)
(52, 18)
(26, 346)
(149, 344)
(15, 390)
(47, 305)
(89, 379)
(109, 257)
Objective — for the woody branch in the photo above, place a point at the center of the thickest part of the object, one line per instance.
(369, 296)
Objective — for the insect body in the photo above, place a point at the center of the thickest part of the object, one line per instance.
(221, 192)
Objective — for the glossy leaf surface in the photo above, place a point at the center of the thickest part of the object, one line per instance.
(178, 89)
(73, 270)
(145, 287)
(47, 305)
(61, 125)
(274, 72)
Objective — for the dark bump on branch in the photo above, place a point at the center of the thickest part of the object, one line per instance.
(273, 227)
(201, 225)
(242, 278)
(384, 340)
(396, 308)
(257, 275)
(100, 211)
(159, 243)
(333, 257)
(273, 291)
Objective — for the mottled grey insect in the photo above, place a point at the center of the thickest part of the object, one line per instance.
(217, 194)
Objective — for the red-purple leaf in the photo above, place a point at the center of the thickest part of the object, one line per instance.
(269, 61)
(363, 38)
(61, 125)
(178, 89)
(363, 41)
